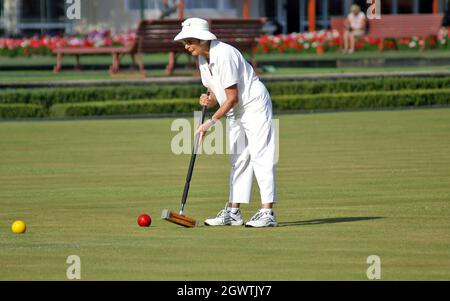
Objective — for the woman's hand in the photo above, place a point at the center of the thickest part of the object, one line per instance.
(202, 129)
(208, 100)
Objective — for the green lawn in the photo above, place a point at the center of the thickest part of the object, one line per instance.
(163, 57)
(381, 70)
(350, 185)
(41, 76)
(263, 60)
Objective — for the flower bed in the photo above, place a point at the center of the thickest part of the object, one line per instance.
(326, 41)
(44, 45)
(308, 42)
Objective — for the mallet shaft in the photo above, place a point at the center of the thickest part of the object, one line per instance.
(191, 164)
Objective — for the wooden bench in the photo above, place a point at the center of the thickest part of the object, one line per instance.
(152, 36)
(156, 36)
(397, 26)
(240, 33)
(77, 52)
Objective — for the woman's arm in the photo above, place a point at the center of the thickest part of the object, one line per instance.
(232, 99)
(346, 24)
(364, 24)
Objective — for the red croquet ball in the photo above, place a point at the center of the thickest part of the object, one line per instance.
(144, 220)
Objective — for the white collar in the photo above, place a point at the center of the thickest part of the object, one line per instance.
(212, 55)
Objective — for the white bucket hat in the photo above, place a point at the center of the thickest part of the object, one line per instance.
(195, 28)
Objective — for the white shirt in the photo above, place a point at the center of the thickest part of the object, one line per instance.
(356, 22)
(226, 68)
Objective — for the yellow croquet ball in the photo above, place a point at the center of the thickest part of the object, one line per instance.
(18, 227)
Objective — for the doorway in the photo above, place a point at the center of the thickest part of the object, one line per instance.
(293, 15)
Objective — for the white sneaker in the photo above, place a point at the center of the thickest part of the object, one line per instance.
(226, 218)
(262, 219)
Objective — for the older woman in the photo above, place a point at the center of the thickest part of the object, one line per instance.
(245, 102)
(355, 26)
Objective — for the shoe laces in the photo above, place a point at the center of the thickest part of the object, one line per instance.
(257, 216)
(223, 211)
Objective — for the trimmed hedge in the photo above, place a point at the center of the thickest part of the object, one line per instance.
(51, 96)
(132, 107)
(21, 110)
(357, 85)
(361, 100)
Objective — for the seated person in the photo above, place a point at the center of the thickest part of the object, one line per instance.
(446, 21)
(355, 26)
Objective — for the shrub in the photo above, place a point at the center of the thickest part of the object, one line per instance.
(341, 101)
(356, 85)
(50, 96)
(362, 100)
(132, 107)
(21, 110)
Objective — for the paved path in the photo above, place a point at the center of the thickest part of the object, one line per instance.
(196, 80)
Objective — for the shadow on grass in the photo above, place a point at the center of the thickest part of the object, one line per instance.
(322, 221)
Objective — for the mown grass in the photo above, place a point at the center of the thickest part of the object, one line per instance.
(43, 76)
(163, 57)
(350, 185)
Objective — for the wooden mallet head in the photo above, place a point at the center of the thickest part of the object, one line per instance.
(179, 219)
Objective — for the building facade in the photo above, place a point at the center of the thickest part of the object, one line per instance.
(28, 17)
(294, 16)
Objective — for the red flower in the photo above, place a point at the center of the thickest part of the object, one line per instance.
(389, 44)
(35, 43)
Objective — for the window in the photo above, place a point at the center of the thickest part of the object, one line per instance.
(322, 11)
(42, 17)
(270, 9)
(188, 4)
(405, 6)
(56, 9)
(201, 4)
(425, 7)
(148, 4)
(336, 8)
(218, 4)
(386, 7)
(43, 10)
(31, 9)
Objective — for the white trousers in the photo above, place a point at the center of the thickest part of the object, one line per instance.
(252, 151)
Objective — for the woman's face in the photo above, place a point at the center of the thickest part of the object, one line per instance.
(355, 10)
(194, 47)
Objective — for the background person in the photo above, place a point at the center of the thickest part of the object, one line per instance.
(355, 26)
(446, 21)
